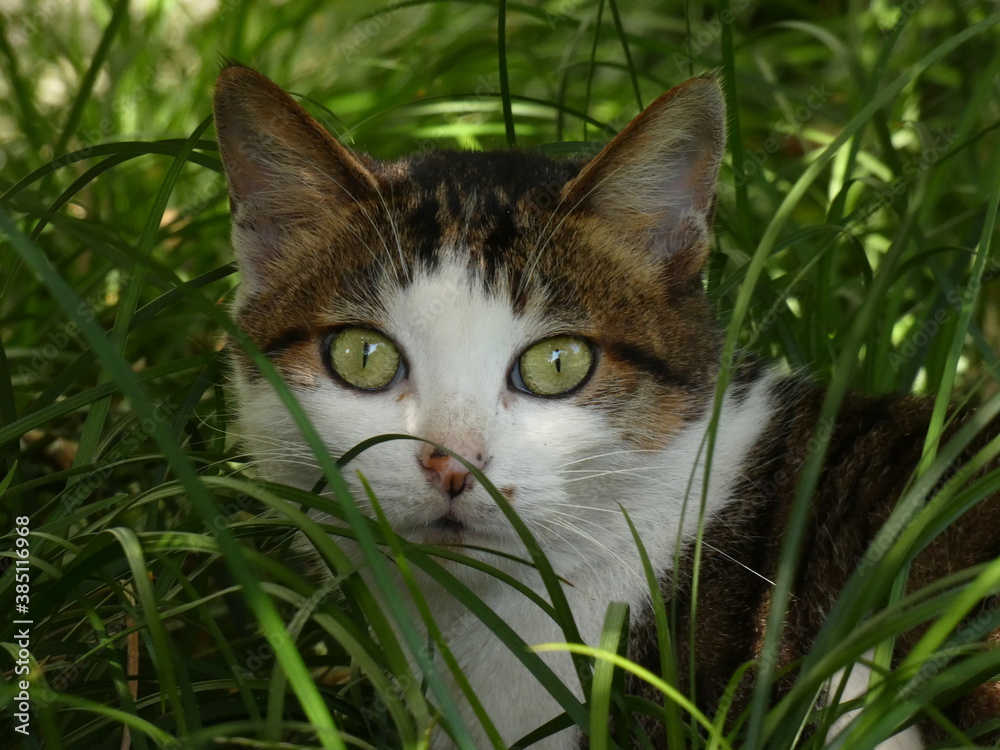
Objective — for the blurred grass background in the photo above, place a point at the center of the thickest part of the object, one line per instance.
(889, 110)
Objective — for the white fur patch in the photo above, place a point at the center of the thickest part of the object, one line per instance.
(858, 679)
(566, 469)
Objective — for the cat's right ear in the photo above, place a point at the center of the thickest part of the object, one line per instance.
(655, 181)
(283, 168)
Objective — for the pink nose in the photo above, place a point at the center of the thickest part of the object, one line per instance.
(449, 474)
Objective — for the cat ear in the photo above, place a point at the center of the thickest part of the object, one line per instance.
(656, 179)
(283, 168)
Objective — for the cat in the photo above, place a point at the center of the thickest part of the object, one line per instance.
(547, 321)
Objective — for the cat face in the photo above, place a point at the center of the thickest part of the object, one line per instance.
(545, 320)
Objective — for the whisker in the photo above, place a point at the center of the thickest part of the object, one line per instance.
(594, 457)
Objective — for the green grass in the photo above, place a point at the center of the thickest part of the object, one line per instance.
(855, 221)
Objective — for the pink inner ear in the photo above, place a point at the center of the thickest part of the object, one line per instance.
(283, 169)
(246, 177)
(257, 243)
(656, 179)
(690, 184)
(275, 154)
(256, 177)
(667, 200)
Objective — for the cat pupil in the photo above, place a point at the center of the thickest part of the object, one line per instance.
(557, 355)
(364, 354)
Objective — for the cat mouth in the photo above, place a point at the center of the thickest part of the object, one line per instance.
(446, 529)
(448, 522)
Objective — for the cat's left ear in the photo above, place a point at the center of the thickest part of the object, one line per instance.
(656, 179)
(284, 170)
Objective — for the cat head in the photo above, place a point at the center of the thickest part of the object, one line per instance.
(544, 319)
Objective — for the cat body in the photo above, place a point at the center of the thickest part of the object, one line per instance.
(546, 321)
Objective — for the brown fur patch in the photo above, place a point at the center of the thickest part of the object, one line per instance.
(874, 446)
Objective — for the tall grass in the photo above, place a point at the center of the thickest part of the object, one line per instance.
(855, 221)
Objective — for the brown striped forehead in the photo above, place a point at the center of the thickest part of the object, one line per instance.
(488, 207)
(499, 215)
(495, 212)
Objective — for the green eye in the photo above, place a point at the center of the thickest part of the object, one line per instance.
(554, 366)
(364, 358)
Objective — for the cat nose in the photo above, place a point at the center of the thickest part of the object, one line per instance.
(449, 474)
